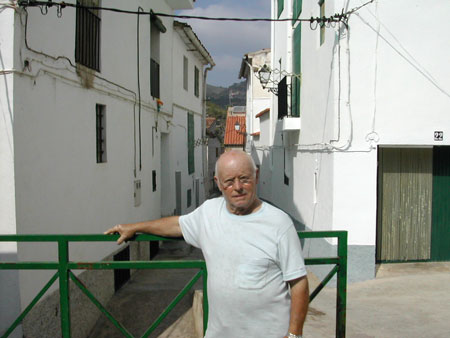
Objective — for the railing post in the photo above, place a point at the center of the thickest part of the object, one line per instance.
(205, 299)
(63, 255)
(341, 299)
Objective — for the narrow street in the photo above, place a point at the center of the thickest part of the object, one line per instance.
(410, 299)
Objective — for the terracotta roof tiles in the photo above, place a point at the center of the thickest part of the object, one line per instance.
(232, 137)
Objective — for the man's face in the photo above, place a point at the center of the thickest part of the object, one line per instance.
(237, 181)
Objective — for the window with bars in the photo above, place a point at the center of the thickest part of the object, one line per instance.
(190, 142)
(87, 34)
(100, 111)
(196, 82)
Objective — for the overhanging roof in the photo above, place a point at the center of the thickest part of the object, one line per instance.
(193, 42)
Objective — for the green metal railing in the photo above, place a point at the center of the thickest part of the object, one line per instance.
(64, 272)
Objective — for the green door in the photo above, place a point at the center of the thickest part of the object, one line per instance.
(440, 234)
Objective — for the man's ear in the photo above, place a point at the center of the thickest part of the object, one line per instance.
(256, 175)
(217, 182)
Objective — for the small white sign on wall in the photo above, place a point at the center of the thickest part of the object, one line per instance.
(439, 136)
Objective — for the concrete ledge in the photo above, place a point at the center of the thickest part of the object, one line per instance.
(189, 325)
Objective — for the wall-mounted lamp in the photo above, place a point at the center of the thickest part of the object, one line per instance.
(237, 128)
(264, 75)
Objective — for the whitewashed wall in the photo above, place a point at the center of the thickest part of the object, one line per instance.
(48, 151)
(9, 291)
(377, 84)
(185, 101)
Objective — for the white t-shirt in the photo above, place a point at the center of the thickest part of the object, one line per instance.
(249, 260)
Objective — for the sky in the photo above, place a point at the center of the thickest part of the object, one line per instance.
(229, 41)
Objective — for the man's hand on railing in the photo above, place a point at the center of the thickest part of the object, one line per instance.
(166, 227)
(126, 231)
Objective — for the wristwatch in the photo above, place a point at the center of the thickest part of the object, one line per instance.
(291, 335)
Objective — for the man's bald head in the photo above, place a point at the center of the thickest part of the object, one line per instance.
(235, 155)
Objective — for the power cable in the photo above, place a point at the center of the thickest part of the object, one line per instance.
(337, 17)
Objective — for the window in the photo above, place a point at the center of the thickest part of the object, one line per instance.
(297, 10)
(153, 180)
(280, 7)
(155, 33)
(190, 142)
(296, 59)
(322, 24)
(154, 78)
(101, 132)
(189, 198)
(185, 72)
(87, 35)
(285, 167)
(196, 82)
(282, 98)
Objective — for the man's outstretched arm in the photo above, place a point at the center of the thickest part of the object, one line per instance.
(167, 227)
(299, 304)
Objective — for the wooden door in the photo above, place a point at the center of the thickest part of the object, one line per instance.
(405, 180)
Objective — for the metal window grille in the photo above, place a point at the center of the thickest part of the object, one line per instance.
(154, 78)
(101, 132)
(87, 36)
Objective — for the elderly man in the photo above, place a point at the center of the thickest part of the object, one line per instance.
(257, 285)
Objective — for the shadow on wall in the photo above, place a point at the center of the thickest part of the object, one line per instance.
(9, 296)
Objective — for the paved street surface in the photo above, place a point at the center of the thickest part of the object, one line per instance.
(405, 300)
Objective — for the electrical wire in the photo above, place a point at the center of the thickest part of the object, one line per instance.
(338, 17)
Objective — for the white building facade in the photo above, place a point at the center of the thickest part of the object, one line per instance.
(258, 102)
(360, 141)
(102, 117)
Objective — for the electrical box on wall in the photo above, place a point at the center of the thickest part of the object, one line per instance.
(137, 193)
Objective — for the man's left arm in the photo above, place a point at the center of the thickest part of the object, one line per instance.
(299, 304)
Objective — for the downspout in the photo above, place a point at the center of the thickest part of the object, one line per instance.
(204, 146)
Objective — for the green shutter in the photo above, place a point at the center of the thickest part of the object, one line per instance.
(191, 162)
(440, 229)
(297, 10)
(280, 7)
(297, 69)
